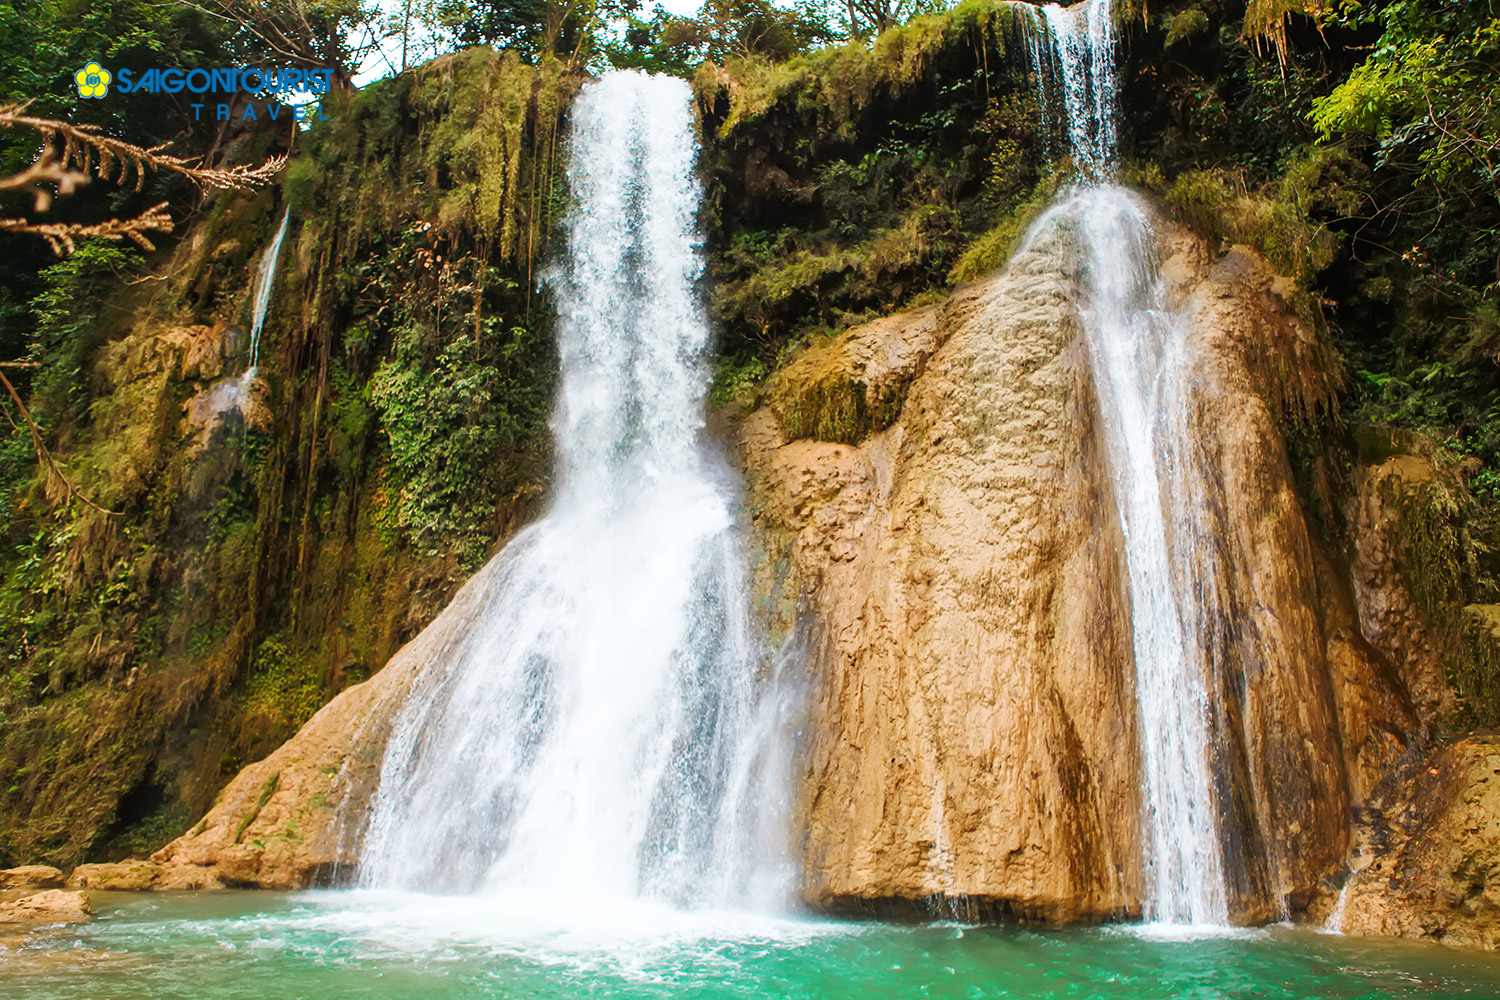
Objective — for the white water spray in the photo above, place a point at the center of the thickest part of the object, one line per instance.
(1135, 351)
(600, 730)
(260, 290)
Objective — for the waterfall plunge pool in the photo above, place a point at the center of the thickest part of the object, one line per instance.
(336, 944)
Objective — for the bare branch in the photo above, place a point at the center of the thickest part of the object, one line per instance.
(54, 471)
(63, 236)
(117, 160)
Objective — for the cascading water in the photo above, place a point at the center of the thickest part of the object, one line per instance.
(260, 290)
(232, 392)
(1135, 352)
(601, 729)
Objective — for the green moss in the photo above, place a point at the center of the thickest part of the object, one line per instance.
(282, 685)
(267, 789)
(990, 251)
(823, 395)
(836, 82)
(1438, 560)
(1185, 24)
(1475, 670)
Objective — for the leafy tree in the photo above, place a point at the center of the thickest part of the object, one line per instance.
(1428, 95)
(571, 30)
(722, 30)
(868, 18)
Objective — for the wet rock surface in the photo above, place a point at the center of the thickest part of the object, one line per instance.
(957, 580)
(1430, 860)
(31, 877)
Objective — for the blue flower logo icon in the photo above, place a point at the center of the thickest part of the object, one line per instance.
(93, 80)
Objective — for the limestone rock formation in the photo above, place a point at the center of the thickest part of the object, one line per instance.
(1380, 525)
(134, 875)
(31, 877)
(957, 580)
(974, 727)
(1431, 865)
(295, 818)
(50, 906)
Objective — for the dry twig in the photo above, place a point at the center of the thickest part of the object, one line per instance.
(54, 470)
(114, 159)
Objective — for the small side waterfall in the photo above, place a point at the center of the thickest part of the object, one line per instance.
(232, 392)
(260, 290)
(1135, 352)
(602, 730)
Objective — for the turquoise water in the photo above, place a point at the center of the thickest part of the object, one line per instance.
(315, 946)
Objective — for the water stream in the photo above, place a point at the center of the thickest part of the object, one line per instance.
(602, 732)
(260, 290)
(1136, 354)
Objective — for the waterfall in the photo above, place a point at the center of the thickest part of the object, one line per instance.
(1136, 356)
(601, 729)
(260, 290)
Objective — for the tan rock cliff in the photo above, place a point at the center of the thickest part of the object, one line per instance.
(958, 580)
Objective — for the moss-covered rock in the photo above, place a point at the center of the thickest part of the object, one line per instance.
(240, 549)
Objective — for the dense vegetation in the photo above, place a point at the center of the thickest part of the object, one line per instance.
(225, 569)
(251, 562)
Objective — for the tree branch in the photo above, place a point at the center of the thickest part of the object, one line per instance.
(45, 456)
(63, 236)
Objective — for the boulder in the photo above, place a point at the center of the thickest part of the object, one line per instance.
(31, 877)
(50, 906)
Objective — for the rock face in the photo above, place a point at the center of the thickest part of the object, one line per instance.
(1431, 863)
(974, 726)
(51, 906)
(1380, 525)
(294, 819)
(135, 875)
(31, 877)
(935, 527)
(957, 579)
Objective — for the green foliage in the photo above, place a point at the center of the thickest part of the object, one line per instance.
(1458, 404)
(1286, 219)
(835, 82)
(536, 30)
(844, 182)
(462, 399)
(989, 251)
(77, 309)
(1429, 94)
(807, 287)
(1185, 24)
(735, 378)
(722, 30)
